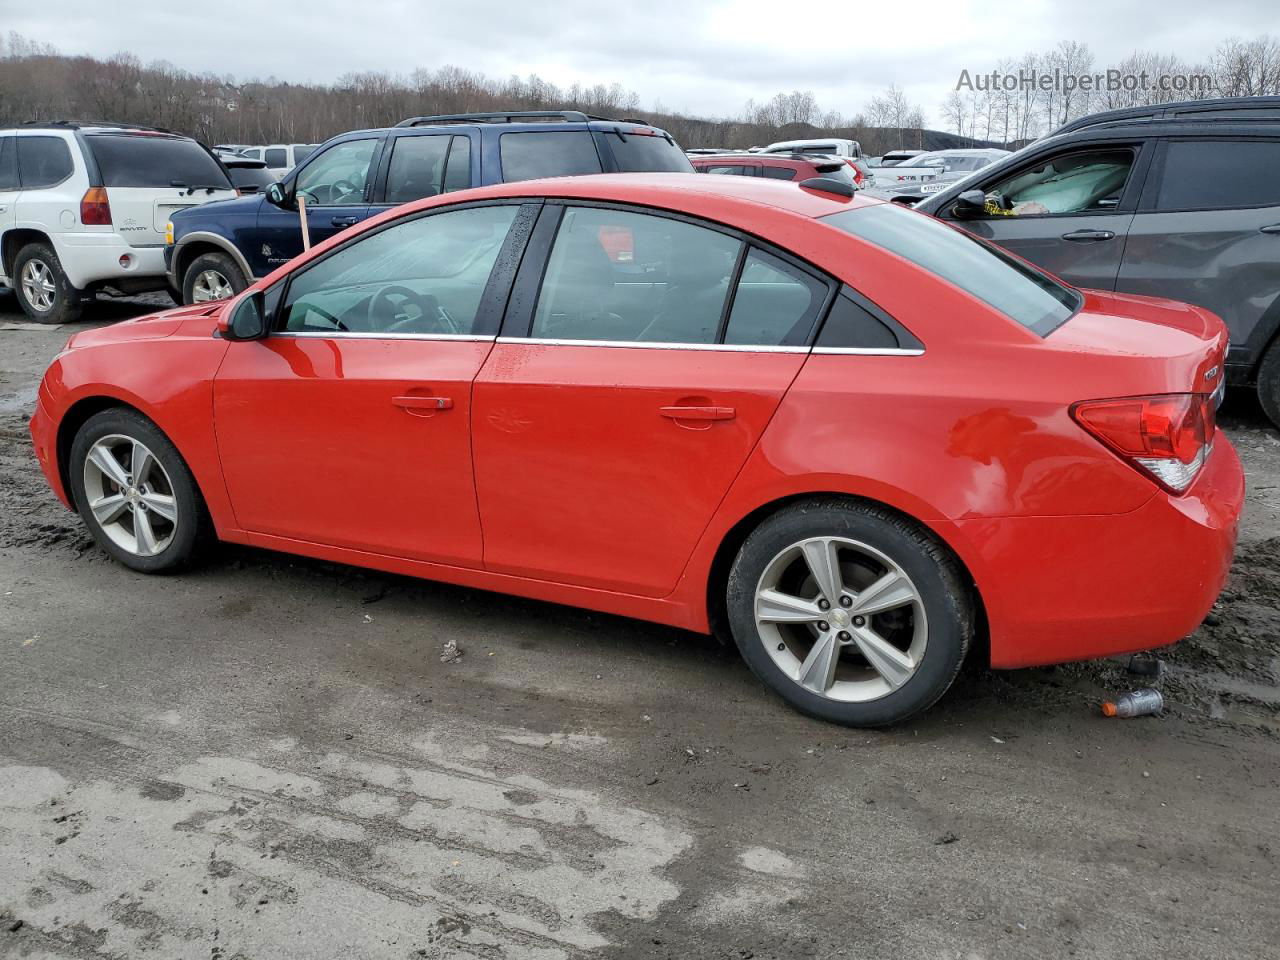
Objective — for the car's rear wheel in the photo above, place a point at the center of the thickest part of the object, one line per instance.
(135, 492)
(43, 289)
(849, 612)
(212, 276)
(1269, 383)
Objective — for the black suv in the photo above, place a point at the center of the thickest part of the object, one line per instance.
(224, 248)
(1179, 200)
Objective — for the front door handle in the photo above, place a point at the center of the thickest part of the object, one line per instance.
(1090, 235)
(344, 221)
(699, 413)
(425, 404)
(1269, 228)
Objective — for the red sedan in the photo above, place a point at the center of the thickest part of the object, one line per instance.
(852, 437)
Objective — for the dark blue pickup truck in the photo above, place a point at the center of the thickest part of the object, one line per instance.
(217, 249)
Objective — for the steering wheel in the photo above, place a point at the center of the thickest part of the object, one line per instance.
(341, 189)
(428, 306)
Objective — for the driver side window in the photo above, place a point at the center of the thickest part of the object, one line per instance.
(1068, 184)
(423, 276)
(338, 175)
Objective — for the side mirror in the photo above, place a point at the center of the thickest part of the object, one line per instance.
(277, 195)
(245, 320)
(970, 204)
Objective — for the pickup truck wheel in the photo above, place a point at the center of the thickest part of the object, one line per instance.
(1269, 382)
(42, 288)
(212, 276)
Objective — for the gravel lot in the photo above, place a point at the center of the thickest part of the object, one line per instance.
(267, 758)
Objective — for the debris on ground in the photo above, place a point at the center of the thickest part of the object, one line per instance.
(1139, 703)
(451, 652)
(946, 838)
(1145, 665)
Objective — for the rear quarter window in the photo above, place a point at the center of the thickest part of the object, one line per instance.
(145, 161)
(564, 153)
(1016, 289)
(43, 161)
(636, 153)
(8, 164)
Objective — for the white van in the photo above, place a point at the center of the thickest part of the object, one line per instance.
(83, 207)
(280, 158)
(831, 147)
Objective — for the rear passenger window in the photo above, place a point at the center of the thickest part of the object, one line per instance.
(775, 304)
(43, 161)
(417, 167)
(731, 170)
(527, 156)
(1219, 174)
(277, 157)
(8, 164)
(779, 173)
(670, 287)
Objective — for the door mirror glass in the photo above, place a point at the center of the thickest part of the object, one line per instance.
(276, 195)
(970, 204)
(245, 320)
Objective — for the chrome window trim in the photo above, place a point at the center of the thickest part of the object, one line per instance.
(362, 335)
(653, 345)
(870, 351)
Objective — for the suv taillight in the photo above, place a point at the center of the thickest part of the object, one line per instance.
(1167, 437)
(95, 210)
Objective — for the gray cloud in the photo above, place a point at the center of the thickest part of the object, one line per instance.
(704, 58)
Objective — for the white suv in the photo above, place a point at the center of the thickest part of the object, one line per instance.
(83, 207)
(280, 158)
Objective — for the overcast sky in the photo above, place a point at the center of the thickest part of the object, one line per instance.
(703, 58)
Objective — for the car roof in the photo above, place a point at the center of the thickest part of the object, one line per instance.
(776, 159)
(1216, 109)
(735, 196)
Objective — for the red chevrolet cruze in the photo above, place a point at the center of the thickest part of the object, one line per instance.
(850, 436)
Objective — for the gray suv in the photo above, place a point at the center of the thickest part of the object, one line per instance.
(1180, 200)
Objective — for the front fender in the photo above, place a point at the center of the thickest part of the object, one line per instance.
(169, 380)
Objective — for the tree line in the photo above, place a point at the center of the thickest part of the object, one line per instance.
(37, 82)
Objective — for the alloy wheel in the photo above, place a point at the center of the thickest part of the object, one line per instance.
(38, 285)
(130, 495)
(210, 285)
(841, 619)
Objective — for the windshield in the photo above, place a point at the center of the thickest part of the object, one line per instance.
(1015, 288)
(132, 160)
(924, 160)
(647, 153)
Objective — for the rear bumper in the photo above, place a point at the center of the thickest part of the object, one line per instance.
(44, 436)
(91, 258)
(1075, 588)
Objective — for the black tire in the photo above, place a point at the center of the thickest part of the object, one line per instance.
(193, 530)
(944, 591)
(219, 263)
(1269, 383)
(66, 306)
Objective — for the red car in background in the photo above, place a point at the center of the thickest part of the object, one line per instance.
(847, 434)
(796, 167)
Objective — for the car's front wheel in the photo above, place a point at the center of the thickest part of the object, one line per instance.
(135, 492)
(1269, 383)
(212, 276)
(849, 612)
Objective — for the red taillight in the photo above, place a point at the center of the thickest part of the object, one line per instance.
(95, 210)
(1166, 436)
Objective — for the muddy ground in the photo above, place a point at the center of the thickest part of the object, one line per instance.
(267, 758)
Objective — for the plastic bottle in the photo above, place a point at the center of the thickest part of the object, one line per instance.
(1136, 704)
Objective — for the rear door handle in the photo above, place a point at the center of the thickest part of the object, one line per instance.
(1090, 235)
(699, 413)
(1270, 228)
(345, 221)
(423, 403)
